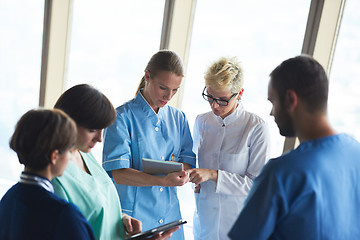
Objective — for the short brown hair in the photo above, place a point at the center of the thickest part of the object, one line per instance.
(38, 133)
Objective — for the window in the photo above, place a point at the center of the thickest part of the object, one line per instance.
(111, 43)
(344, 105)
(21, 26)
(261, 39)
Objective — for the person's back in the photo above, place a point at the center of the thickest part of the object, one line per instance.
(43, 141)
(317, 192)
(31, 212)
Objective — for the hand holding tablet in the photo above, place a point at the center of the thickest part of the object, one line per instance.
(150, 233)
(157, 167)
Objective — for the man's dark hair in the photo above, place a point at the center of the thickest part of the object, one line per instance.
(306, 77)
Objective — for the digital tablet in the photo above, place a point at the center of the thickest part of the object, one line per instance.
(152, 232)
(157, 167)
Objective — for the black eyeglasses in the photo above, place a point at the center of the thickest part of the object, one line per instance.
(220, 102)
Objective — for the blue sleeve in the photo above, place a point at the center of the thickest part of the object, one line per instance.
(73, 225)
(258, 218)
(117, 145)
(186, 154)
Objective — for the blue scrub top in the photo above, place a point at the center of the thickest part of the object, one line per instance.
(312, 192)
(137, 133)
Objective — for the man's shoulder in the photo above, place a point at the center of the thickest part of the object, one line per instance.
(284, 163)
(310, 154)
(348, 140)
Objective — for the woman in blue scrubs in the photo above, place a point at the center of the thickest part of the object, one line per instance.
(146, 127)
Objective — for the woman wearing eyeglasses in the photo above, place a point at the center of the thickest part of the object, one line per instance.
(231, 145)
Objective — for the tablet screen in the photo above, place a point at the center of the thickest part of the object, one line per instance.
(152, 232)
(158, 167)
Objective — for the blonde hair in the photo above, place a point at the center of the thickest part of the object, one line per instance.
(225, 73)
(163, 60)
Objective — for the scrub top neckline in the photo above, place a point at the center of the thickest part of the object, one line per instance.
(85, 164)
(305, 145)
(83, 157)
(155, 117)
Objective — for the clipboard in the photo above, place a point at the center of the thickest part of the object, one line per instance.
(158, 167)
(149, 233)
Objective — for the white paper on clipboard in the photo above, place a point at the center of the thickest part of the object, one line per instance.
(157, 167)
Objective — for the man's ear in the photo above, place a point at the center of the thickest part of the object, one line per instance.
(291, 99)
(54, 156)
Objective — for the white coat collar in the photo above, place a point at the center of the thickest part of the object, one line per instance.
(232, 117)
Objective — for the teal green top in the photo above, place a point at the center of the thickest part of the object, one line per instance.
(95, 195)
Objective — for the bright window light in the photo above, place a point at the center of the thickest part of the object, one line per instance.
(21, 28)
(344, 104)
(111, 43)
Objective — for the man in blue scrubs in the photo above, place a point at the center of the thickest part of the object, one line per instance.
(312, 192)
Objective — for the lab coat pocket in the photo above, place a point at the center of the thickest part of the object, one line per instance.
(235, 163)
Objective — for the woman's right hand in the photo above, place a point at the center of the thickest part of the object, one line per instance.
(176, 179)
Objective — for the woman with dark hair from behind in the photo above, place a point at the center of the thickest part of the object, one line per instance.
(85, 183)
(43, 141)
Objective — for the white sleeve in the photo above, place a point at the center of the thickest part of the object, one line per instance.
(196, 139)
(259, 152)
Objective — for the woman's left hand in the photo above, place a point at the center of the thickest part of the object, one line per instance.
(131, 225)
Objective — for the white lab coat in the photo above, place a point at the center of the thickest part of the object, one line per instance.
(238, 147)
